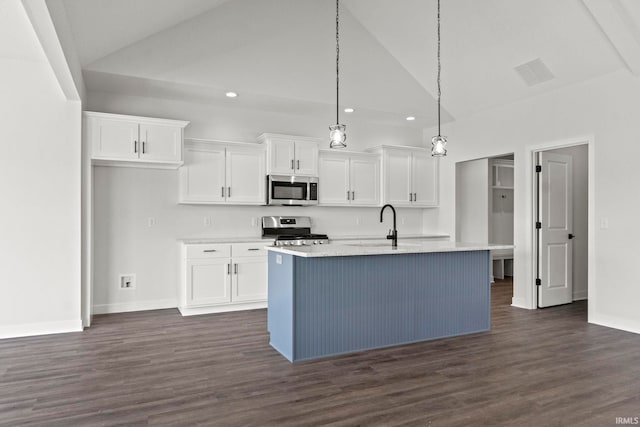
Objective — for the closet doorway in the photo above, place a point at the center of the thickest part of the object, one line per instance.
(484, 209)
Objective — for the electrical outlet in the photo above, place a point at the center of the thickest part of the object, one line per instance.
(151, 221)
(254, 222)
(402, 220)
(357, 220)
(207, 221)
(127, 281)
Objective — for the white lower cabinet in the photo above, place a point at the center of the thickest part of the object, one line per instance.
(223, 277)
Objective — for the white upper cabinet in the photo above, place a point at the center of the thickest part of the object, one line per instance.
(291, 155)
(333, 185)
(118, 140)
(397, 177)
(365, 180)
(281, 156)
(225, 173)
(245, 175)
(424, 179)
(202, 177)
(160, 143)
(409, 176)
(348, 178)
(113, 139)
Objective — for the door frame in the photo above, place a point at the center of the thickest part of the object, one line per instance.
(530, 199)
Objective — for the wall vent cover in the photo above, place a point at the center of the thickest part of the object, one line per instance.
(534, 72)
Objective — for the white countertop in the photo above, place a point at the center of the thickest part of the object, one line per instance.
(214, 240)
(338, 249)
(381, 237)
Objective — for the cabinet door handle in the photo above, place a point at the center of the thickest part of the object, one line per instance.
(235, 268)
(348, 197)
(298, 162)
(229, 269)
(292, 164)
(411, 197)
(353, 195)
(222, 192)
(415, 197)
(228, 191)
(253, 249)
(209, 250)
(144, 147)
(135, 146)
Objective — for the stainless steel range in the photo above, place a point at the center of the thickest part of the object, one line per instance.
(291, 231)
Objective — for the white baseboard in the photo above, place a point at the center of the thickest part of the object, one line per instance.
(520, 303)
(192, 311)
(580, 295)
(124, 307)
(40, 328)
(614, 322)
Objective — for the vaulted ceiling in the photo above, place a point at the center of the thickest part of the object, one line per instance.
(280, 54)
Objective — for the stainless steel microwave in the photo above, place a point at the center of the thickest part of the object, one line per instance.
(292, 190)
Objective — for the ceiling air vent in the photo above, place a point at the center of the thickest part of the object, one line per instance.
(534, 72)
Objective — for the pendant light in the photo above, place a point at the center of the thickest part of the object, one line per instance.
(439, 142)
(337, 132)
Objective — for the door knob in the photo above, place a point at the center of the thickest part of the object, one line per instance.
(571, 236)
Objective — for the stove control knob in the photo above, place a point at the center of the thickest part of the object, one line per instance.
(315, 242)
(320, 242)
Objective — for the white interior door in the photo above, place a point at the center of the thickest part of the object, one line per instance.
(556, 218)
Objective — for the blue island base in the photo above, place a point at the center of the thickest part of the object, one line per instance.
(324, 306)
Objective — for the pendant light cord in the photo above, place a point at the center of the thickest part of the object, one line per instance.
(439, 69)
(338, 61)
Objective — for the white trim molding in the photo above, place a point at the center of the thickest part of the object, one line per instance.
(529, 186)
(40, 328)
(614, 322)
(124, 307)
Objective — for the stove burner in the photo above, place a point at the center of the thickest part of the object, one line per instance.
(291, 231)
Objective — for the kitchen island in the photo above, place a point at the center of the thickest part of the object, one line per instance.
(333, 299)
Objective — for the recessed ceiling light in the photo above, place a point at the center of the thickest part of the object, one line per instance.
(411, 118)
(231, 94)
(349, 110)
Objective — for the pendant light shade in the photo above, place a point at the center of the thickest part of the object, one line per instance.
(337, 136)
(337, 132)
(439, 142)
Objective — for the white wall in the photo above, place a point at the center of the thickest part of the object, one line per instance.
(580, 263)
(40, 188)
(472, 201)
(604, 111)
(124, 199)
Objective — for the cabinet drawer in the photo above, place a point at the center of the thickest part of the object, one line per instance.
(209, 251)
(249, 249)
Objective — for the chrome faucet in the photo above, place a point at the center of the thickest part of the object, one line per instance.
(393, 234)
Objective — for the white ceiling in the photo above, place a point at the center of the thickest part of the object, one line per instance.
(281, 53)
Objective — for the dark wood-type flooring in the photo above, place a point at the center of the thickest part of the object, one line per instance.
(535, 368)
